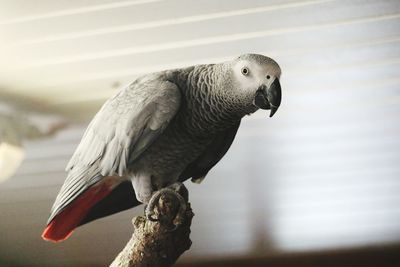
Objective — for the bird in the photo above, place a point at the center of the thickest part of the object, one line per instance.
(163, 128)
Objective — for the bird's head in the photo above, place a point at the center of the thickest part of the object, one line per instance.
(257, 77)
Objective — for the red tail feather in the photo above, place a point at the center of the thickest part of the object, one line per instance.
(62, 226)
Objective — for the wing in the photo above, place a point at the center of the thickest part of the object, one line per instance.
(125, 126)
(198, 169)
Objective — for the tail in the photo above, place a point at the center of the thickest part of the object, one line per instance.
(64, 223)
(96, 202)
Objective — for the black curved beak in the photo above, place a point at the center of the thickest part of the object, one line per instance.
(269, 98)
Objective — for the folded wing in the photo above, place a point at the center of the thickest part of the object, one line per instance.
(126, 125)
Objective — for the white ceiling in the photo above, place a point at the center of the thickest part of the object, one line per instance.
(76, 53)
(323, 173)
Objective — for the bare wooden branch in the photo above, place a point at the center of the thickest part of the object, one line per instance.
(155, 244)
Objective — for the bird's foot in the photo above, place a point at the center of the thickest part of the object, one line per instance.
(168, 205)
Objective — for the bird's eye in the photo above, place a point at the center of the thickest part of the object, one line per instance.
(268, 77)
(245, 71)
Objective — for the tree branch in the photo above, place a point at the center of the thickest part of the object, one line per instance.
(155, 244)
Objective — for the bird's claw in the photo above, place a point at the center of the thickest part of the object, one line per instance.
(151, 218)
(163, 201)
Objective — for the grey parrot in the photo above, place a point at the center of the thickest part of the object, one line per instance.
(163, 128)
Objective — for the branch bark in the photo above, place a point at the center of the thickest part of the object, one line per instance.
(154, 244)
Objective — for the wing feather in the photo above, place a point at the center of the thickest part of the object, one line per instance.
(121, 131)
(126, 125)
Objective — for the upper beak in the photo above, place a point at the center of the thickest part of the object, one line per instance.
(269, 98)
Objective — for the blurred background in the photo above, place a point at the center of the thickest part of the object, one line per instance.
(318, 182)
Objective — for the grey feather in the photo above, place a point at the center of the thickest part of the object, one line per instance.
(76, 183)
(198, 169)
(124, 127)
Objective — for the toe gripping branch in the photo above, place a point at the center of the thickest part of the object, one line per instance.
(159, 239)
(168, 206)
